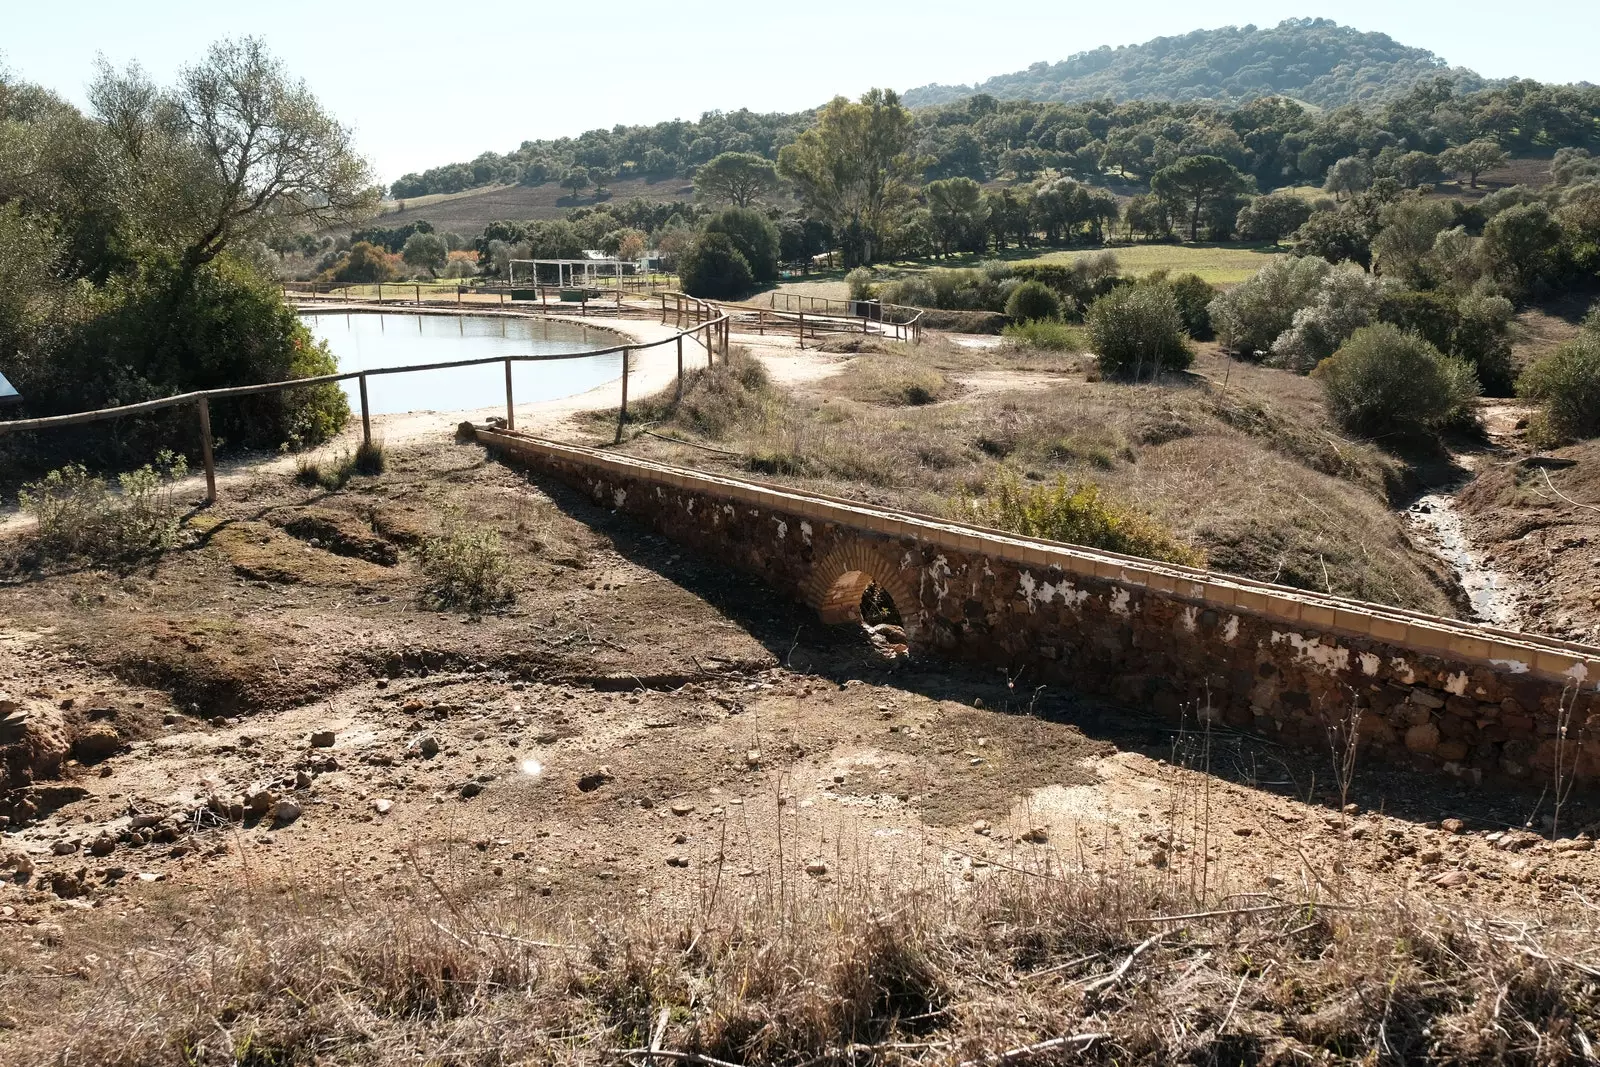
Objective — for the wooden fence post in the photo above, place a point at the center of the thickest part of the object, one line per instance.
(802, 333)
(418, 288)
(366, 419)
(680, 367)
(727, 330)
(622, 412)
(380, 294)
(206, 455)
(511, 411)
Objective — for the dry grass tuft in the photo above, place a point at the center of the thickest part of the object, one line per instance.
(936, 971)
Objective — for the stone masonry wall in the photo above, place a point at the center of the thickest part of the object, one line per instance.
(1439, 695)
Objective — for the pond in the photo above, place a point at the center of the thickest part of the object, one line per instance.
(365, 340)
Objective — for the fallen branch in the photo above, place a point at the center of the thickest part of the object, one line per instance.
(682, 1057)
(691, 444)
(530, 944)
(1122, 968)
(1262, 909)
(1085, 1040)
(1565, 497)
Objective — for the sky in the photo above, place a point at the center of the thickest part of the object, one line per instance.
(424, 84)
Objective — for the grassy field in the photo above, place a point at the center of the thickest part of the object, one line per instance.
(470, 211)
(1219, 264)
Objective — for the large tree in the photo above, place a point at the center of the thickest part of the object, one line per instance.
(958, 215)
(1195, 182)
(1473, 158)
(237, 150)
(737, 178)
(851, 168)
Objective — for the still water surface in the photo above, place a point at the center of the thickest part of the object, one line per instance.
(363, 341)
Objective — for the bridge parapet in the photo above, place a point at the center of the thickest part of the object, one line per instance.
(1473, 701)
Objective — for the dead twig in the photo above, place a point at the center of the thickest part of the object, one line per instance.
(1083, 1041)
(1122, 968)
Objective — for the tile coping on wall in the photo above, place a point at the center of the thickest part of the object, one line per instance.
(1399, 626)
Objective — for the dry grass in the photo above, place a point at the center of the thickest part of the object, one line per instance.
(794, 971)
(1237, 461)
(892, 380)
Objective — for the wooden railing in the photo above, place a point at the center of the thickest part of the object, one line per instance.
(711, 332)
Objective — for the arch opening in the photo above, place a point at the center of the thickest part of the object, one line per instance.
(856, 597)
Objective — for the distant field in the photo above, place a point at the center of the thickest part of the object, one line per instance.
(471, 211)
(1218, 264)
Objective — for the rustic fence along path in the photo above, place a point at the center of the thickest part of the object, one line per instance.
(710, 331)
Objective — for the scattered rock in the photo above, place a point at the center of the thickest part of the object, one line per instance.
(1038, 835)
(470, 790)
(1423, 739)
(982, 828)
(1429, 857)
(1453, 826)
(322, 739)
(64, 847)
(816, 868)
(1243, 831)
(285, 811)
(102, 845)
(681, 808)
(677, 861)
(382, 807)
(593, 780)
(257, 804)
(97, 743)
(1453, 879)
(302, 780)
(425, 745)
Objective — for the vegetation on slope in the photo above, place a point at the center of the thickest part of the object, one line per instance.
(1311, 59)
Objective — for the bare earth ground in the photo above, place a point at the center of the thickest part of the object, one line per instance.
(643, 739)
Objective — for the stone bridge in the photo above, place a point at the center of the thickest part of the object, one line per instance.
(1471, 701)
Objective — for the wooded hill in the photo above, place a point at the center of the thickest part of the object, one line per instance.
(1314, 60)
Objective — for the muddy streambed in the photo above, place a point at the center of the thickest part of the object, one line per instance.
(1438, 528)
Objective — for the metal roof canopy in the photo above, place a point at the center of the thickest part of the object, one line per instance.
(8, 395)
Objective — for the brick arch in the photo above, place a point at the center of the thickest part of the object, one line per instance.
(840, 577)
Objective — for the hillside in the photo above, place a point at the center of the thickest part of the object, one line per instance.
(470, 211)
(1314, 60)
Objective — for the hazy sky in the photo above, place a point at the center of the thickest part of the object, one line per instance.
(431, 83)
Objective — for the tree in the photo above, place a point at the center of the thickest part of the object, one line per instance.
(1385, 381)
(851, 168)
(365, 262)
(737, 178)
(1346, 301)
(576, 179)
(1137, 330)
(1272, 217)
(1335, 236)
(1197, 181)
(754, 235)
(1473, 158)
(1522, 247)
(712, 267)
(1405, 242)
(426, 251)
(239, 150)
(958, 215)
(1416, 168)
(1348, 176)
(1148, 216)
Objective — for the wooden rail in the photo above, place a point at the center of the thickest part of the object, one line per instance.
(682, 308)
(712, 333)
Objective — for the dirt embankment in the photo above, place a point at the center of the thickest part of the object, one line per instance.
(1537, 519)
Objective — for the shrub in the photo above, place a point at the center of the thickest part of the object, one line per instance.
(1078, 515)
(713, 267)
(1346, 301)
(716, 400)
(1567, 383)
(1384, 380)
(1251, 315)
(860, 283)
(466, 569)
(370, 458)
(1194, 295)
(1136, 330)
(1046, 334)
(1033, 302)
(886, 379)
(79, 517)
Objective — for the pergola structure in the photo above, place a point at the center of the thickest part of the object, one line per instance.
(568, 273)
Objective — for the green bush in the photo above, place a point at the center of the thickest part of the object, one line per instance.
(860, 282)
(1033, 302)
(1249, 317)
(1384, 380)
(466, 570)
(1194, 295)
(713, 268)
(1077, 515)
(1046, 334)
(1567, 383)
(79, 517)
(1136, 331)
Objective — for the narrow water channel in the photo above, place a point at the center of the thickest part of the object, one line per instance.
(1438, 526)
(365, 340)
